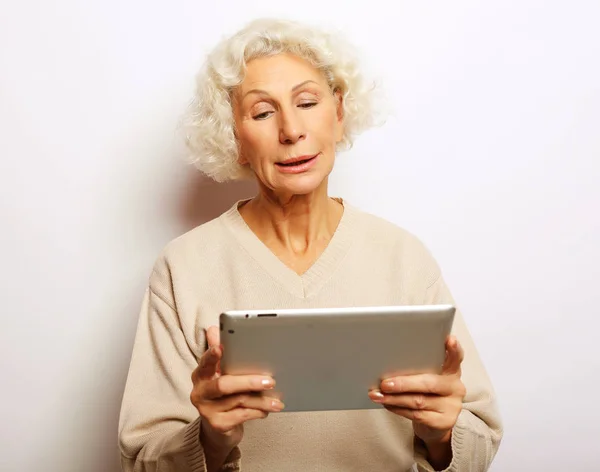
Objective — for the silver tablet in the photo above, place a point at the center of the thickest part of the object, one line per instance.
(328, 359)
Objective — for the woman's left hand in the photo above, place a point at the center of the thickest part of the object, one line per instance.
(432, 402)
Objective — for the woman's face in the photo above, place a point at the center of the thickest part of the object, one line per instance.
(288, 123)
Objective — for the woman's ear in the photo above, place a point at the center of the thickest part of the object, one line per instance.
(241, 159)
(339, 109)
(339, 103)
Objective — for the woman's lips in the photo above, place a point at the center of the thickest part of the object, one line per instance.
(297, 164)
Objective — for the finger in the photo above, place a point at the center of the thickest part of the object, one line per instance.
(454, 357)
(409, 400)
(426, 417)
(438, 423)
(226, 421)
(253, 401)
(232, 384)
(213, 336)
(421, 383)
(213, 339)
(208, 365)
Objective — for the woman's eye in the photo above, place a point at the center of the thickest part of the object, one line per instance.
(262, 116)
(307, 104)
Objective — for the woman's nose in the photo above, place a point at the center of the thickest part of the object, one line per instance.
(291, 129)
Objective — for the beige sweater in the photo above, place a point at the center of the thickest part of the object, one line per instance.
(222, 265)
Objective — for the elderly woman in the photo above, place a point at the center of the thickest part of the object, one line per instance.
(275, 102)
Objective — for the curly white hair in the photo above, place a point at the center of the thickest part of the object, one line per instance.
(209, 124)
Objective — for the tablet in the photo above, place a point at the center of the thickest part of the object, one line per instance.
(329, 359)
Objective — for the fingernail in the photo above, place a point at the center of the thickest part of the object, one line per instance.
(277, 405)
(376, 395)
(267, 383)
(388, 384)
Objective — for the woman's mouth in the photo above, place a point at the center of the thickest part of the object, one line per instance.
(297, 164)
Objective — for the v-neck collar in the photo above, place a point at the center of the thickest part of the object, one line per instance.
(311, 281)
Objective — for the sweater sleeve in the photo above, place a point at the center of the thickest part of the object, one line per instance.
(478, 430)
(159, 428)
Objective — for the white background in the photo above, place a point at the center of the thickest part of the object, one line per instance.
(491, 157)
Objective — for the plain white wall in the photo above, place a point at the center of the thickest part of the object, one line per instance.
(491, 158)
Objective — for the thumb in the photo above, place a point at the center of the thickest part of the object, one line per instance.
(454, 356)
(209, 364)
(213, 337)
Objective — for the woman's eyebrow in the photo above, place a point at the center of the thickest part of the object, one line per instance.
(264, 92)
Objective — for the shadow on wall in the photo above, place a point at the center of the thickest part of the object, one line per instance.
(198, 199)
(204, 199)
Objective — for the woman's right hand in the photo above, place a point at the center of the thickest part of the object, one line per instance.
(226, 402)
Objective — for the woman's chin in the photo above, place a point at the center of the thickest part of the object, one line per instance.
(301, 185)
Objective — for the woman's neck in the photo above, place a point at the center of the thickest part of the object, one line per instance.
(294, 223)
